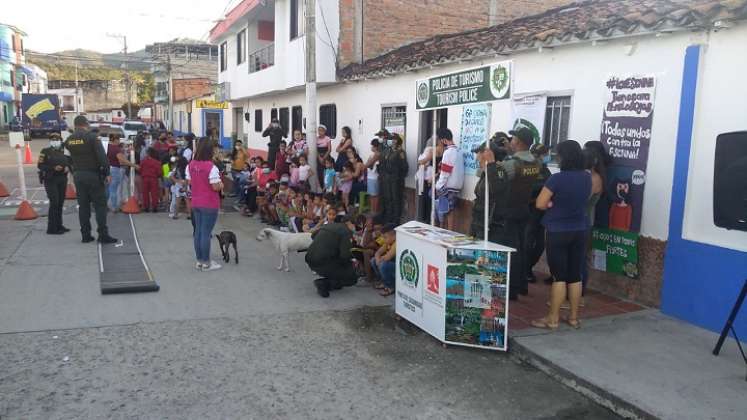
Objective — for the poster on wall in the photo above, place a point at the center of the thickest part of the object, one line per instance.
(615, 252)
(529, 111)
(626, 135)
(475, 130)
(472, 86)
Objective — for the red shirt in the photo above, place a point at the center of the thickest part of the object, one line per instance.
(111, 153)
(150, 168)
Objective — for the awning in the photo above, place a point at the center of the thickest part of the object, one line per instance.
(28, 71)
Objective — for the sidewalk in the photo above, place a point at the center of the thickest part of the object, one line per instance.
(643, 365)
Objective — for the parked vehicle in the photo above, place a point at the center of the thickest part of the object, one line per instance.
(131, 128)
(41, 115)
(16, 124)
(104, 129)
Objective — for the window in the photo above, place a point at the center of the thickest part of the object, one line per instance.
(285, 119)
(273, 114)
(296, 18)
(13, 41)
(393, 119)
(297, 118)
(68, 104)
(328, 117)
(557, 118)
(12, 79)
(223, 58)
(241, 47)
(258, 120)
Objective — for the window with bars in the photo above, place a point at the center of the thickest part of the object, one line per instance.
(394, 119)
(297, 118)
(557, 120)
(285, 119)
(258, 120)
(328, 117)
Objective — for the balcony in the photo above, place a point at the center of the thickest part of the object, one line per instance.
(262, 59)
(223, 92)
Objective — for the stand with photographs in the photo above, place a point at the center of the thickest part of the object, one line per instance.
(453, 286)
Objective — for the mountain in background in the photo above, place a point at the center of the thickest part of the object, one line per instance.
(94, 65)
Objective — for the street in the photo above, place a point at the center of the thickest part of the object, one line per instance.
(246, 341)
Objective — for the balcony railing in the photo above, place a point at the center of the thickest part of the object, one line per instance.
(262, 59)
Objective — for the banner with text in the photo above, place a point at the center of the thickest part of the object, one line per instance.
(480, 84)
(626, 135)
(615, 252)
(475, 131)
(529, 112)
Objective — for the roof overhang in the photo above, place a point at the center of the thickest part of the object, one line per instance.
(232, 17)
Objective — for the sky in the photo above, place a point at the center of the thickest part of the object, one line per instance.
(54, 25)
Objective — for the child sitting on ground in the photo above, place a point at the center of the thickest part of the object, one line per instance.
(383, 261)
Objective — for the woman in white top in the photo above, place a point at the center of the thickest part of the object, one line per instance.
(372, 175)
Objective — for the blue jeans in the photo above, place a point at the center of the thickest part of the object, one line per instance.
(385, 271)
(113, 188)
(204, 220)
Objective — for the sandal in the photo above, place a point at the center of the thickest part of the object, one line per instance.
(573, 323)
(386, 292)
(544, 324)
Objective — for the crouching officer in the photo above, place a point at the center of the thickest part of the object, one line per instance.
(53, 168)
(330, 256)
(91, 174)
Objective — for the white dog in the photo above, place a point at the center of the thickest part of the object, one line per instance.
(285, 242)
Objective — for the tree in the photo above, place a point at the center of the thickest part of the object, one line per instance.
(135, 109)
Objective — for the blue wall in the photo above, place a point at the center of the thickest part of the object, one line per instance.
(701, 282)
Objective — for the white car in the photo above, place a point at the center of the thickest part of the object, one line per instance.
(131, 128)
(104, 129)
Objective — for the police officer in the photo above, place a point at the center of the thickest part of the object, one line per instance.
(534, 235)
(330, 255)
(91, 174)
(53, 167)
(522, 170)
(392, 172)
(493, 171)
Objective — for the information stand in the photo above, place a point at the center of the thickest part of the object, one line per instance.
(453, 286)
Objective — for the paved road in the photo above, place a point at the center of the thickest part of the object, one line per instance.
(242, 342)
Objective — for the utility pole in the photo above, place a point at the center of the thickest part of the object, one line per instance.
(129, 81)
(171, 92)
(311, 112)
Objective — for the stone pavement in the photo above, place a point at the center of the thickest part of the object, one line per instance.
(643, 365)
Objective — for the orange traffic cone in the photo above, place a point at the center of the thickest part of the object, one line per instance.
(70, 193)
(28, 159)
(131, 206)
(3, 190)
(26, 212)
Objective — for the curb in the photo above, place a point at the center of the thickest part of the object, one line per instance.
(617, 405)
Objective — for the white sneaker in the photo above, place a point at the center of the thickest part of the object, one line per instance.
(199, 266)
(213, 266)
(172, 215)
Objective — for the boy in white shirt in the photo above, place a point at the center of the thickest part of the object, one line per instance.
(450, 180)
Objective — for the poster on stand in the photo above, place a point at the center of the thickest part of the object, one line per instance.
(626, 135)
(475, 129)
(477, 297)
(529, 111)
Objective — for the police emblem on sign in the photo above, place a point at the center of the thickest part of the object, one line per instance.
(409, 270)
(423, 93)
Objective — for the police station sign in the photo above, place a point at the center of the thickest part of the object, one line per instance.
(476, 85)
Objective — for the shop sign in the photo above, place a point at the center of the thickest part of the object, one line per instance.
(615, 252)
(476, 85)
(209, 103)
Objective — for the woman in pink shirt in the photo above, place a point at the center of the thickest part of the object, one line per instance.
(323, 146)
(204, 178)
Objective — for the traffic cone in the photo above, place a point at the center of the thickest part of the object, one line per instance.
(26, 212)
(70, 193)
(131, 206)
(3, 190)
(28, 159)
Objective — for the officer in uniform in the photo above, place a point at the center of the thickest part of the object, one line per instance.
(511, 211)
(330, 255)
(53, 167)
(491, 169)
(91, 174)
(393, 170)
